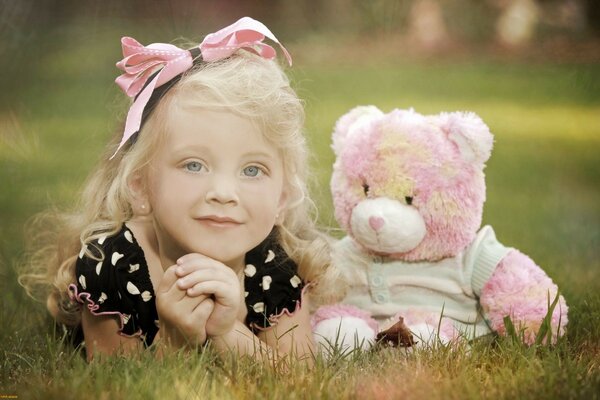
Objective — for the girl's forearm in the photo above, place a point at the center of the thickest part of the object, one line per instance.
(290, 339)
(241, 340)
(275, 351)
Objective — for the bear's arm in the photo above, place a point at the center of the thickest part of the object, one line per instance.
(508, 283)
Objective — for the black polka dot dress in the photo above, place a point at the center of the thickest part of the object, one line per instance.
(112, 278)
(272, 286)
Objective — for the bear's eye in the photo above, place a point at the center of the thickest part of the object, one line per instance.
(366, 189)
(409, 200)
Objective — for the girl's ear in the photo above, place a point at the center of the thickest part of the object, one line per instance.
(281, 207)
(140, 201)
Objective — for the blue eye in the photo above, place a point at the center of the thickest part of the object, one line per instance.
(252, 171)
(194, 166)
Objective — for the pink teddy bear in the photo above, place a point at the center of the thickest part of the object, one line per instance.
(409, 191)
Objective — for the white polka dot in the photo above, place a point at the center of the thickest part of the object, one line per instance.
(82, 281)
(128, 236)
(126, 318)
(115, 257)
(246, 294)
(259, 307)
(98, 268)
(250, 270)
(131, 288)
(133, 267)
(157, 323)
(102, 298)
(295, 281)
(270, 256)
(146, 296)
(82, 252)
(266, 282)
(101, 240)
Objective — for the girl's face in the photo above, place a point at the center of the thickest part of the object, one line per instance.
(216, 187)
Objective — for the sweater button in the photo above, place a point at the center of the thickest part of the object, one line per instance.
(376, 281)
(381, 298)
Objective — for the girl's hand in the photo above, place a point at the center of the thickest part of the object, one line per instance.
(182, 318)
(203, 276)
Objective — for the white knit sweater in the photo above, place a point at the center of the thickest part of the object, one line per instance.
(387, 287)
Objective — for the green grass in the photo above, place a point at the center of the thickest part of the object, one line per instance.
(543, 198)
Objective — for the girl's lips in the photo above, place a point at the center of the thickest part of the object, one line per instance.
(218, 221)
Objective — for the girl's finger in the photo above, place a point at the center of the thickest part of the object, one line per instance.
(168, 292)
(200, 316)
(190, 316)
(225, 293)
(208, 274)
(188, 303)
(191, 256)
(168, 279)
(203, 310)
(179, 310)
(193, 262)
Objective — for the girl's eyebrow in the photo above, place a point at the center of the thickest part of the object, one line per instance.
(185, 150)
(189, 148)
(258, 154)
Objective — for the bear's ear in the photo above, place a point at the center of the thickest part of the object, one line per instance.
(469, 133)
(351, 122)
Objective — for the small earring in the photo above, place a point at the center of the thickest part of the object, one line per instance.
(143, 207)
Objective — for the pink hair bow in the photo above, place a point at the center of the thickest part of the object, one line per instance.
(141, 62)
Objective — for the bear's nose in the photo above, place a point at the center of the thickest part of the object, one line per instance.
(376, 223)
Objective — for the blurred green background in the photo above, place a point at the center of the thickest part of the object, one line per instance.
(529, 69)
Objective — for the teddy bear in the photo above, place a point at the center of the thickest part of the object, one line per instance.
(408, 190)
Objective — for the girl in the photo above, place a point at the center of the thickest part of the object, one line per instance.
(197, 227)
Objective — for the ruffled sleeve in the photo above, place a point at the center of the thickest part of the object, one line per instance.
(272, 285)
(113, 279)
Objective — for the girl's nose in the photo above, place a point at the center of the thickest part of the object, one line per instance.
(222, 191)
